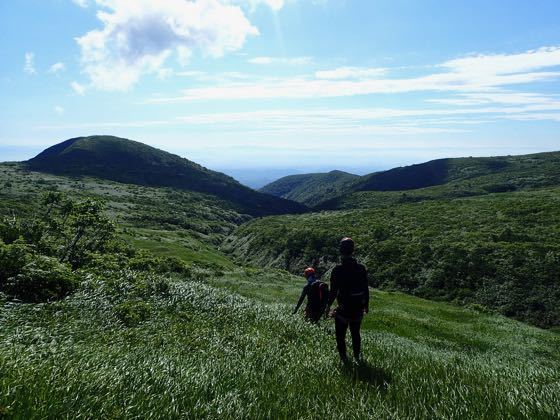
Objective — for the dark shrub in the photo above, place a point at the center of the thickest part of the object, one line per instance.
(132, 313)
(41, 279)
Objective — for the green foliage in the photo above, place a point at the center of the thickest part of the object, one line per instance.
(148, 262)
(499, 250)
(29, 277)
(13, 258)
(132, 313)
(42, 279)
(68, 230)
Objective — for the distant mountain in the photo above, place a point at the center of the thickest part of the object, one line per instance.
(131, 162)
(311, 189)
(257, 178)
(455, 177)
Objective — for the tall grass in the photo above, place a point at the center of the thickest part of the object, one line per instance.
(202, 350)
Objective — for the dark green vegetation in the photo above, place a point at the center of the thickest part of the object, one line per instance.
(448, 178)
(132, 162)
(311, 189)
(499, 250)
(135, 312)
(167, 221)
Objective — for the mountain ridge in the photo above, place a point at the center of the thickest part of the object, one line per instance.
(128, 161)
(503, 173)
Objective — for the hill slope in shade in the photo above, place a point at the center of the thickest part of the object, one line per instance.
(441, 171)
(464, 177)
(311, 189)
(132, 162)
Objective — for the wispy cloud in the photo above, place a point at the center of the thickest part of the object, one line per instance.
(59, 110)
(290, 61)
(57, 68)
(81, 3)
(29, 66)
(342, 73)
(78, 88)
(105, 125)
(285, 118)
(481, 73)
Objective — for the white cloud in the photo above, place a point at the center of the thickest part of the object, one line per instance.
(57, 67)
(81, 3)
(292, 61)
(482, 73)
(360, 120)
(139, 36)
(350, 73)
(78, 88)
(29, 66)
(275, 5)
(59, 110)
(502, 64)
(502, 97)
(165, 73)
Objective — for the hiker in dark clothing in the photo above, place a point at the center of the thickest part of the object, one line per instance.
(317, 294)
(349, 286)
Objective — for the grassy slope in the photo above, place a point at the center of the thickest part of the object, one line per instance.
(207, 351)
(311, 189)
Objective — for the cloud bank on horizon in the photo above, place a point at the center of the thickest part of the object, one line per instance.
(234, 82)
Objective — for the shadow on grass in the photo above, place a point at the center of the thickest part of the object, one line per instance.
(367, 373)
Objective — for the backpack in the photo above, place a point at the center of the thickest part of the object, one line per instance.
(318, 297)
(353, 292)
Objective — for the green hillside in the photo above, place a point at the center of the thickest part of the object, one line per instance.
(442, 178)
(131, 162)
(311, 189)
(500, 250)
(449, 178)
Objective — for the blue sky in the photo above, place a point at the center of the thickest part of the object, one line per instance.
(301, 84)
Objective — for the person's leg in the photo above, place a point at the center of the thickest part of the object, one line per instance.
(356, 339)
(340, 327)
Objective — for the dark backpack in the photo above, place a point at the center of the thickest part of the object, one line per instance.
(318, 297)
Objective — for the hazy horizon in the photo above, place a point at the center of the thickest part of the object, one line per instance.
(257, 175)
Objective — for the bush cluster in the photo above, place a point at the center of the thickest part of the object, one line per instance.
(45, 256)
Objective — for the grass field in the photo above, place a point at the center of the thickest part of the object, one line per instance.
(226, 346)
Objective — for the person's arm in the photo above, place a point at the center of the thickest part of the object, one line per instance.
(301, 298)
(366, 285)
(333, 292)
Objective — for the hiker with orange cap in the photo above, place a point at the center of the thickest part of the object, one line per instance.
(349, 286)
(317, 293)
